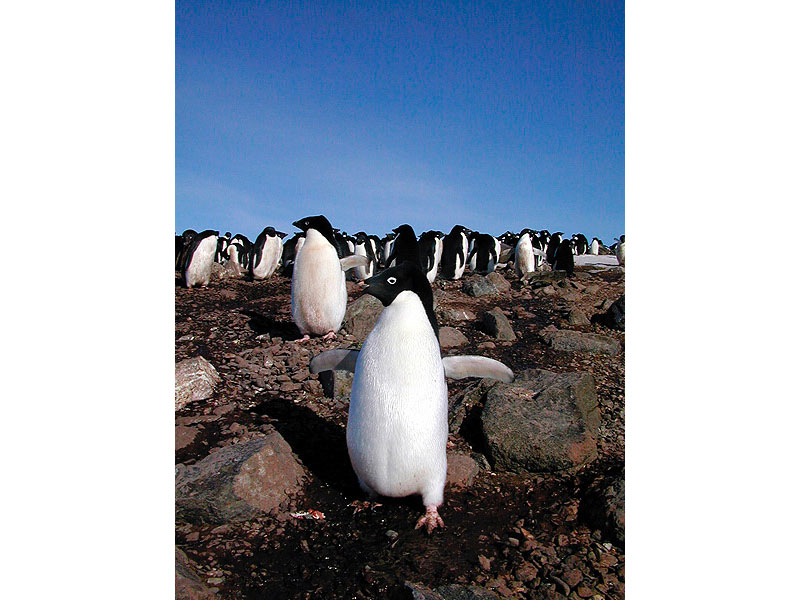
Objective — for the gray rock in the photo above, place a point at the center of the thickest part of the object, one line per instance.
(455, 314)
(451, 338)
(578, 318)
(195, 379)
(544, 422)
(478, 285)
(496, 324)
(184, 436)
(239, 482)
(188, 585)
(361, 316)
(336, 384)
(614, 317)
(604, 508)
(500, 283)
(540, 279)
(575, 341)
(450, 592)
(461, 470)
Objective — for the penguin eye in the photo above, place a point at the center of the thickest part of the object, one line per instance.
(391, 280)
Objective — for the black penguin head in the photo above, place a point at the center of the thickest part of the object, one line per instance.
(319, 223)
(406, 276)
(405, 230)
(622, 239)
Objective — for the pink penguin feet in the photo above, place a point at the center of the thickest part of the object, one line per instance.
(431, 519)
(331, 335)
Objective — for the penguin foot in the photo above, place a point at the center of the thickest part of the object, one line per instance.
(431, 519)
(331, 335)
(304, 339)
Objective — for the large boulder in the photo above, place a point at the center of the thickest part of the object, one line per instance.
(500, 283)
(478, 285)
(188, 585)
(195, 379)
(544, 422)
(496, 324)
(575, 341)
(455, 314)
(361, 316)
(239, 482)
(614, 317)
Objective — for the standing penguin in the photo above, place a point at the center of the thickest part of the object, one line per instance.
(290, 248)
(454, 253)
(397, 422)
(581, 243)
(484, 254)
(198, 258)
(386, 249)
(563, 259)
(319, 292)
(265, 253)
(428, 244)
(405, 247)
(594, 248)
(620, 250)
(233, 264)
(527, 254)
(552, 246)
(364, 248)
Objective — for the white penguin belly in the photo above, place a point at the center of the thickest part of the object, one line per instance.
(397, 424)
(523, 256)
(319, 292)
(199, 270)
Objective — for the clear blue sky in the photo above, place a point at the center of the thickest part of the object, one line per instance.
(493, 115)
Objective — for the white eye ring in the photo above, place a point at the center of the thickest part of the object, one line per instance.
(391, 280)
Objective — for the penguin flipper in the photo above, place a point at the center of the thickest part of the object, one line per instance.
(354, 260)
(459, 367)
(334, 360)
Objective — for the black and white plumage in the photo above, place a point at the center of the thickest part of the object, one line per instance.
(319, 292)
(454, 253)
(528, 255)
(363, 247)
(290, 248)
(397, 423)
(580, 244)
(594, 247)
(563, 259)
(405, 247)
(552, 246)
(485, 253)
(429, 254)
(198, 258)
(620, 250)
(265, 253)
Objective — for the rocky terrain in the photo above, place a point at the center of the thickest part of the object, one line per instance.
(267, 505)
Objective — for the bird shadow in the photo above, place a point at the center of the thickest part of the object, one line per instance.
(262, 324)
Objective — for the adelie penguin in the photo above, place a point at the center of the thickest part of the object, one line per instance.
(527, 254)
(485, 254)
(319, 292)
(620, 250)
(363, 247)
(580, 244)
(454, 253)
(397, 422)
(594, 247)
(429, 244)
(198, 258)
(290, 249)
(564, 260)
(405, 247)
(552, 246)
(265, 253)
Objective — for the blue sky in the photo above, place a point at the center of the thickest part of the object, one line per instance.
(492, 115)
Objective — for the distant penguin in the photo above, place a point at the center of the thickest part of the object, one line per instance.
(581, 244)
(525, 255)
(375, 241)
(439, 247)
(319, 292)
(363, 247)
(428, 245)
(594, 248)
(472, 259)
(552, 246)
(564, 260)
(484, 254)
(405, 247)
(233, 264)
(620, 251)
(386, 249)
(265, 253)
(454, 253)
(198, 258)
(185, 241)
(397, 423)
(288, 253)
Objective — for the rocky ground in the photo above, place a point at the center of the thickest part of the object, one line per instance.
(535, 496)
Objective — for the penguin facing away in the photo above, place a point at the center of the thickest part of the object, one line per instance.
(319, 292)
(405, 247)
(198, 258)
(563, 259)
(397, 422)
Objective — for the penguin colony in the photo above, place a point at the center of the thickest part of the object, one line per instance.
(397, 422)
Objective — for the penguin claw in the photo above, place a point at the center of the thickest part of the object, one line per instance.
(304, 339)
(431, 519)
(331, 335)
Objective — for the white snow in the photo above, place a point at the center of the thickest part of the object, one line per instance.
(602, 260)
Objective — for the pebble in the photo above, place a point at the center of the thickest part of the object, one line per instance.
(485, 563)
(391, 534)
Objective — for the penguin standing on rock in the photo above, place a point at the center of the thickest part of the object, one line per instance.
(319, 292)
(454, 252)
(484, 254)
(397, 422)
(405, 247)
(594, 248)
(198, 258)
